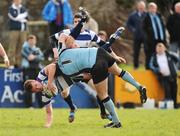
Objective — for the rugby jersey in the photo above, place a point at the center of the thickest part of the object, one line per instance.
(83, 40)
(43, 78)
(62, 82)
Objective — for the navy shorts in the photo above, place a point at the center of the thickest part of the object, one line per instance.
(99, 71)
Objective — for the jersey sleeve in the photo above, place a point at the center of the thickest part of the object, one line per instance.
(96, 38)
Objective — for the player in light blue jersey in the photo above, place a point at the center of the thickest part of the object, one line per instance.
(84, 39)
(60, 82)
(98, 63)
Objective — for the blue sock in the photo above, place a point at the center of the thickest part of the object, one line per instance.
(70, 102)
(109, 105)
(129, 78)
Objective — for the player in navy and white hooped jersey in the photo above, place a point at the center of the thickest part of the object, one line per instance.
(60, 83)
(43, 78)
(84, 39)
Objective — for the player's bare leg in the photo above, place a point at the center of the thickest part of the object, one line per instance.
(102, 92)
(65, 94)
(103, 113)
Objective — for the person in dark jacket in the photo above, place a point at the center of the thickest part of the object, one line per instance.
(163, 64)
(18, 16)
(154, 31)
(134, 25)
(173, 27)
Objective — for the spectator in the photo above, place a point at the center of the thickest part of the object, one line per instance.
(134, 25)
(4, 55)
(31, 58)
(154, 30)
(173, 26)
(103, 35)
(163, 64)
(59, 15)
(18, 31)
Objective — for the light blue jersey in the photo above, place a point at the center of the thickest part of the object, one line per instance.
(74, 61)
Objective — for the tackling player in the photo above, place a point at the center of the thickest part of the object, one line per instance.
(83, 39)
(98, 63)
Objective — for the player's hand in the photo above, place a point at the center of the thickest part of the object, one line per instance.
(52, 88)
(85, 14)
(120, 59)
(6, 61)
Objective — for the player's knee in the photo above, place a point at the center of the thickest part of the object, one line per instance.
(102, 94)
(49, 111)
(64, 94)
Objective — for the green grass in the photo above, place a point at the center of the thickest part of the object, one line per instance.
(129, 67)
(139, 122)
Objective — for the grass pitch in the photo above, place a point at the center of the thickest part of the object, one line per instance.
(139, 122)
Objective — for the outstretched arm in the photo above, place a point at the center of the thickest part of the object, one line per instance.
(67, 40)
(49, 115)
(50, 71)
(4, 55)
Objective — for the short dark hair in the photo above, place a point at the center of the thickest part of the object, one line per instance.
(31, 36)
(28, 85)
(78, 15)
(102, 32)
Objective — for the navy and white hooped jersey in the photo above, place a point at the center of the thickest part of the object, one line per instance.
(62, 82)
(43, 78)
(77, 60)
(84, 39)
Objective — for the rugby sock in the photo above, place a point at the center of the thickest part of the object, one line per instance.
(69, 102)
(101, 106)
(109, 105)
(112, 39)
(77, 29)
(129, 78)
(108, 44)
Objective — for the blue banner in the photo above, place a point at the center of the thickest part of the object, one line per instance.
(12, 92)
(11, 88)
